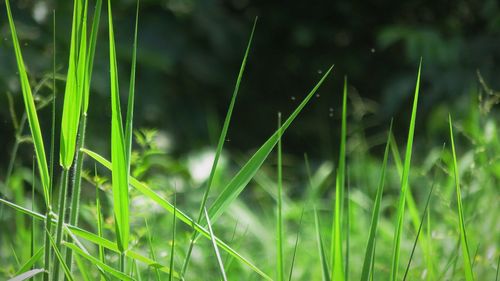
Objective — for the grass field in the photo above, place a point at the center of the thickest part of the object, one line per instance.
(387, 208)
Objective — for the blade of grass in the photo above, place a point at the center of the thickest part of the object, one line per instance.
(93, 260)
(337, 239)
(83, 269)
(29, 263)
(398, 232)
(419, 230)
(220, 144)
(58, 254)
(295, 246)
(148, 192)
(321, 250)
(31, 111)
(172, 248)
(151, 249)
(279, 207)
(216, 249)
(239, 182)
(118, 151)
(469, 274)
(370, 247)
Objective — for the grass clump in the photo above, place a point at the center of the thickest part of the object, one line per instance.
(359, 203)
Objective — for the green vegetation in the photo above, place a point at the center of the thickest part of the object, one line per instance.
(255, 222)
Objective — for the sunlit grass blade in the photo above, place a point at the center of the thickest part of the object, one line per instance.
(31, 111)
(239, 182)
(337, 233)
(95, 261)
(59, 256)
(469, 274)
(29, 263)
(370, 247)
(220, 145)
(292, 263)
(151, 249)
(321, 250)
(398, 231)
(216, 249)
(172, 248)
(27, 275)
(74, 85)
(279, 210)
(118, 149)
(89, 65)
(418, 231)
(148, 192)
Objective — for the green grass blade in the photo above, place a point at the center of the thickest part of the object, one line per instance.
(321, 249)
(59, 256)
(27, 275)
(172, 248)
(28, 264)
(469, 274)
(220, 144)
(239, 182)
(292, 263)
(74, 89)
(84, 270)
(337, 239)
(279, 211)
(148, 192)
(398, 232)
(370, 247)
(131, 93)
(118, 150)
(30, 111)
(418, 231)
(97, 262)
(151, 249)
(216, 249)
(91, 53)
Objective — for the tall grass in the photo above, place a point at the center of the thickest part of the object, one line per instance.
(357, 236)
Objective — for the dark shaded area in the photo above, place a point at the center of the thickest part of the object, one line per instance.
(190, 51)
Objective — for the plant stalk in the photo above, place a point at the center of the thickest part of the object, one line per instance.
(61, 214)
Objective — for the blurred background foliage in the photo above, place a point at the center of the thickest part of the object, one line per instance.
(190, 51)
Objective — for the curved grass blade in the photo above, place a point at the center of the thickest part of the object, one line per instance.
(31, 112)
(370, 247)
(27, 275)
(419, 230)
(220, 144)
(216, 249)
(469, 274)
(34, 258)
(67, 271)
(148, 192)
(246, 173)
(337, 239)
(295, 247)
(119, 157)
(398, 231)
(97, 262)
(321, 249)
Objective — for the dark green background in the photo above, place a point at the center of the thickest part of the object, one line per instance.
(190, 51)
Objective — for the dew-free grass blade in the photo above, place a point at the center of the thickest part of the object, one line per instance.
(321, 249)
(469, 274)
(118, 150)
(97, 262)
(74, 85)
(279, 211)
(220, 144)
(216, 249)
(292, 263)
(337, 239)
(246, 173)
(370, 248)
(31, 111)
(148, 192)
(59, 256)
(398, 231)
(28, 264)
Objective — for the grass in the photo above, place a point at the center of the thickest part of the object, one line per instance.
(139, 228)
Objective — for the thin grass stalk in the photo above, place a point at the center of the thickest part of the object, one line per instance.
(279, 207)
(220, 144)
(60, 219)
(216, 249)
(172, 249)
